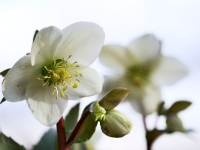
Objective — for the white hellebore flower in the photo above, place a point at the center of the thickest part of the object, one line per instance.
(56, 70)
(141, 68)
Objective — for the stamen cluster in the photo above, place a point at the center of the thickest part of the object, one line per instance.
(59, 74)
(138, 75)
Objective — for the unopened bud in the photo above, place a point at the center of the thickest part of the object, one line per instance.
(98, 112)
(116, 124)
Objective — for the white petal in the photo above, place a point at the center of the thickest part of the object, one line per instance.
(90, 84)
(46, 108)
(115, 56)
(19, 76)
(45, 44)
(168, 71)
(149, 100)
(82, 40)
(144, 48)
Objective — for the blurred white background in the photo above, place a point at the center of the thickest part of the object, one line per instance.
(175, 22)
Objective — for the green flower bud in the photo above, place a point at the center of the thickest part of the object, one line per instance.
(98, 112)
(174, 123)
(116, 124)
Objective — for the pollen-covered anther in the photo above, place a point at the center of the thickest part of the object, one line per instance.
(75, 85)
(59, 74)
(62, 94)
(78, 80)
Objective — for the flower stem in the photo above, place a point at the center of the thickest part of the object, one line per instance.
(148, 144)
(61, 135)
(76, 129)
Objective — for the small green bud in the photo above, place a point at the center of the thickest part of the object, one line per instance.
(113, 98)
(98, 112)
(116, 124)
(174, 123)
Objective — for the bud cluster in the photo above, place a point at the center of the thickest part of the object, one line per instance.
(113, 123)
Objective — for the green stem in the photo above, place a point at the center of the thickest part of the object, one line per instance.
(148, 144)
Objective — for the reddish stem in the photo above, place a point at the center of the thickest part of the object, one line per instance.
(61, 135)
(76, 129)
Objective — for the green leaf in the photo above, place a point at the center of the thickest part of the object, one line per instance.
(3, 73)
(152, 135)
(36, 32)
(3, 100)
(7, 143)
(48, 141)
(83, 130)
(72, 118)
(113, 98)
(178, 106)
(161, 110)
(174, 123)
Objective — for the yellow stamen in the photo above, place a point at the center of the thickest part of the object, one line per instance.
(75, 85)
(59, 74)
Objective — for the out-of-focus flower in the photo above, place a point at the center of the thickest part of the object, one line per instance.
(56, 70)
(141, 68)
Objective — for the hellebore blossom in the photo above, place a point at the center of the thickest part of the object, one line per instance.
(141, 68)
(56, 70)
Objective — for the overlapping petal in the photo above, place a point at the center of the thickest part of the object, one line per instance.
(46, 108)
(144, 48)
(19, 76)
(90, 84)
(45, 45)
(115, 56)
(82, 40)
(168, 71)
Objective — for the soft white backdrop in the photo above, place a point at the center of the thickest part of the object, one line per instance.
(176, 23)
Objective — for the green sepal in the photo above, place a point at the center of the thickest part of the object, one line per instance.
(84, 129)
(36, 32)
(178, 106)
(3, 73)
(72, 118)
(7, 143)
(113, 98)
(3, 100)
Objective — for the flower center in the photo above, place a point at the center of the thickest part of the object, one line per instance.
(60, 74)
(138, 75)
